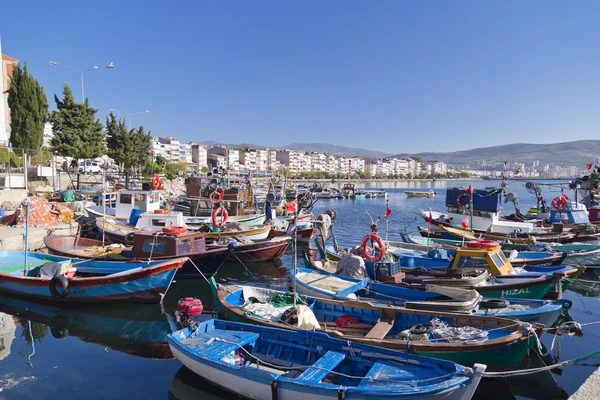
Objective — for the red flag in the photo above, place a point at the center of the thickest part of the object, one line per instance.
(517, 172)
(292, 206)
(465, 224)
(430, 217)
(589, 167)
(387, 212)
(469, 189)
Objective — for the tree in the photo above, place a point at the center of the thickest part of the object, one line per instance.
(205, 169)
(28, 110)
(77, 132)
(128, 148)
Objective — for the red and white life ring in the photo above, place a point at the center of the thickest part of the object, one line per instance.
(560, 203)
(156, 182)
(216, 197)
(463, 195)
(372, 255)
(482, 244)
(222, 212)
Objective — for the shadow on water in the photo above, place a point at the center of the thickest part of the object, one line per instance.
(141, 331)
(186, 385)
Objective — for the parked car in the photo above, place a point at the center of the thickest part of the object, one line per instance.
(89, 167)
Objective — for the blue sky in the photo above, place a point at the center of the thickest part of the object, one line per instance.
(395, 76)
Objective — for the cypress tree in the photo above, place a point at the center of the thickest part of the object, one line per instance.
(28, 109)
(77, 132)
(129, 148)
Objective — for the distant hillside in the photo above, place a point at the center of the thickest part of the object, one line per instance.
(331, 148)
(318, 147)
(569, 153)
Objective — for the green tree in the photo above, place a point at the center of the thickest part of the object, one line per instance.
(205, 170)
(129, 148)
(28, 109)
(77, 132)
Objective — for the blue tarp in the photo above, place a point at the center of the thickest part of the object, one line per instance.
(482, 199)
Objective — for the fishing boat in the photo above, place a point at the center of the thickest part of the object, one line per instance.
(348, 188)
(505, 344)
(121, 231)
(303, 234)
(428, 194)
(141, 332)
(146, 246)
(260, 363)
(571, 249)
(62, 279)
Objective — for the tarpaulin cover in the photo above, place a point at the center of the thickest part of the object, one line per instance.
(482, 199)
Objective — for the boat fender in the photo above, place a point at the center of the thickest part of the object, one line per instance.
(58, 326)
(332, 214)
(494, 303)
(64, 283)
(221, 211)
(129, 238)
(270, 197)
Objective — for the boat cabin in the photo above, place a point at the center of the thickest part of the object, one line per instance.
(153, 221)
(472, 257)
(144, 200)
(576, 213)
(158, 244)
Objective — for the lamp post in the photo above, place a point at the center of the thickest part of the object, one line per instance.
(81, 71)
(129, 114)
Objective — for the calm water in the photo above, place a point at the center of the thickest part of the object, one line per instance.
(120, 352)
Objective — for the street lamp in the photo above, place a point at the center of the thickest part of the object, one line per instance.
(81, 71)
(128, 114)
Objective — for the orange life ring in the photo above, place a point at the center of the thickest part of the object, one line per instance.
(156, 181)
(224, 216)
(364, 248)
(560, 203)
(459, 198)
(174, 230)
(162, 211)
(482, 244)
(216, 197)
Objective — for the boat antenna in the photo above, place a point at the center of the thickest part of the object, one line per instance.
(26, 205)
(387, 207)
(295, 250)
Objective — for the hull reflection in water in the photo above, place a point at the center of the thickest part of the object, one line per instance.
(188, 386)
(138, 330)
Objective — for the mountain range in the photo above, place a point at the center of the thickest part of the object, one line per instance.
(317, 147)
(578, 153)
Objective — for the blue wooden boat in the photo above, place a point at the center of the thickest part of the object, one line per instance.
(77, 280)
(266, 363)
(141, 331)
(501, 342)
(321, 284)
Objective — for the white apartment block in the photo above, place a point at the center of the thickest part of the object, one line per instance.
(291, 159)
(199, 155)
(172, 150)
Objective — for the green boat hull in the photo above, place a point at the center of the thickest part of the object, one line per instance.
(499, 358)
(536, 292)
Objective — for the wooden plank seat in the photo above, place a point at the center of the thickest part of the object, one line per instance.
(383, 327)
(322, 367)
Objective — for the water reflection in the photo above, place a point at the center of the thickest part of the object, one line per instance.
(587, 284)
(139, 330)
(186, 385)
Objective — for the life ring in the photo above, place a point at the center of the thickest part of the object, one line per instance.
(271, 197)
(559, 203)
(64, 283)
(162, 211)
(156, 181)
(482, 244)
(224, 216)
(459, 198)
(174, 230)
(216, 197)
(364, 248)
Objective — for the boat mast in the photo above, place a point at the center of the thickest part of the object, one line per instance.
(26, 204)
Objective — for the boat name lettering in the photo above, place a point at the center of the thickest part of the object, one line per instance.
(514, 292)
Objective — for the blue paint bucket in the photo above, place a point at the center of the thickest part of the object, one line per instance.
(134, 216)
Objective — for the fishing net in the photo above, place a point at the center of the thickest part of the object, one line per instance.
(441, 330)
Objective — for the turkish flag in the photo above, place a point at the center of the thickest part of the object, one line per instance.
(292, 206)
(589, 167)
(430, 217)
(517, 172)
(387, 212)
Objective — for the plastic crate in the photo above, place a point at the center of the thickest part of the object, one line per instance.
(387, 268)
